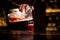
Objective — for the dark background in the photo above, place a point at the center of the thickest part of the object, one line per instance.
(40, 19)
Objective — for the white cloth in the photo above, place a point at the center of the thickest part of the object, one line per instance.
(15, 13)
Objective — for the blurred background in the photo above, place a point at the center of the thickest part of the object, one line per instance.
(44, 26)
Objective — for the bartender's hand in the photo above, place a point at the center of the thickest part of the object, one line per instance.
(25, 8)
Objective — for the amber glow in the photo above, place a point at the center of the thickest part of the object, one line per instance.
(48, 10)
(2, 22)
(51, 27)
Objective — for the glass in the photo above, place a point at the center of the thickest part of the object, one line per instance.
(31, 25)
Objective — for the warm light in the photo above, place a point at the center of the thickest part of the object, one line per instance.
(2, 22)
(57, 18)
(49, 24)
(53, 24)
(48, 10)
(42, 0)
(51, 29)
(50, 18)
(51, 1)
